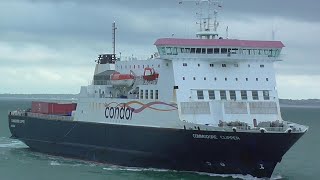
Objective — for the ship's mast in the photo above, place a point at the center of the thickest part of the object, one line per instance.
(114, 37)
(207, 11)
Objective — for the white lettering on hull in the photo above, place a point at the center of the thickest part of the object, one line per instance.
(18, 121)
(215, 137)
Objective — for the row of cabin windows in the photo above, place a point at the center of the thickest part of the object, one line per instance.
(225, 79)
(149, 94)
(222, 65)
(228, 51)
(233, 95)
(137, 66)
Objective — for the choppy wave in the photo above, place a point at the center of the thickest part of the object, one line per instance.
(55, 163)
(234, 176)
(63, 161)
(11, 143)
(239, 176)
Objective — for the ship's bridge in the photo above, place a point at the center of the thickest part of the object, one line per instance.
(219, 49)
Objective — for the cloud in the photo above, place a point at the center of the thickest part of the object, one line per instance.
(44, 79)
(298, 87)
(45, 41)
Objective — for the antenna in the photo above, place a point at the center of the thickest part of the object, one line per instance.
(207, 10)
(114, 28)
(227, 32)
(274, 30)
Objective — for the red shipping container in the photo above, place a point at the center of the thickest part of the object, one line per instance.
(53, 108)
(40, 107)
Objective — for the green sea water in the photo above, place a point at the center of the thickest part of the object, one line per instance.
(17, 162)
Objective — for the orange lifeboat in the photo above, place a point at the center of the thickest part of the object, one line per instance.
(150, 74)
(118, 79)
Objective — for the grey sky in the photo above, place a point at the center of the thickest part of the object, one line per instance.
(48, 46)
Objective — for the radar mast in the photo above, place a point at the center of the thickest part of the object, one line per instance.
(207, 11)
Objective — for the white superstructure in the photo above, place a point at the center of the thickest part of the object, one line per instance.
(208, 81)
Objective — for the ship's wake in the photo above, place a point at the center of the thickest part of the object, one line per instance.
(227, 176)
(239, 176)
(6, 142)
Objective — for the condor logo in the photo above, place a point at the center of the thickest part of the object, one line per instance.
(118, 112)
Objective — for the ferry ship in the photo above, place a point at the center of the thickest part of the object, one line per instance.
(208, 104)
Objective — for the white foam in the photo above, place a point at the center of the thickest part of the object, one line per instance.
(134, 169)
(9, 143)
(234, 176)
(55, 163)
(239, 176)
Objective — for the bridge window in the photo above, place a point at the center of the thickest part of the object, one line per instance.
(244, 95)
(168, 51)
(198, 51)
(151, 94)
(193, 50)
(162, 50)
(200, 94)
(234, 51)
(255, 95)
(211, 95)
(174, 51)
(210, 51)
(277, 52)
(254, 52)
(233, 95)
(224, 51)
(187, 50)
(216, 50)
(204, 51)
(245, 52)
(223, 95)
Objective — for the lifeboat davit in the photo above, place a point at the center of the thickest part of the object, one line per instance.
(118, 79)
(150, 74)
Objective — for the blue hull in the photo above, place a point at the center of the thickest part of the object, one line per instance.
(217, 152)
